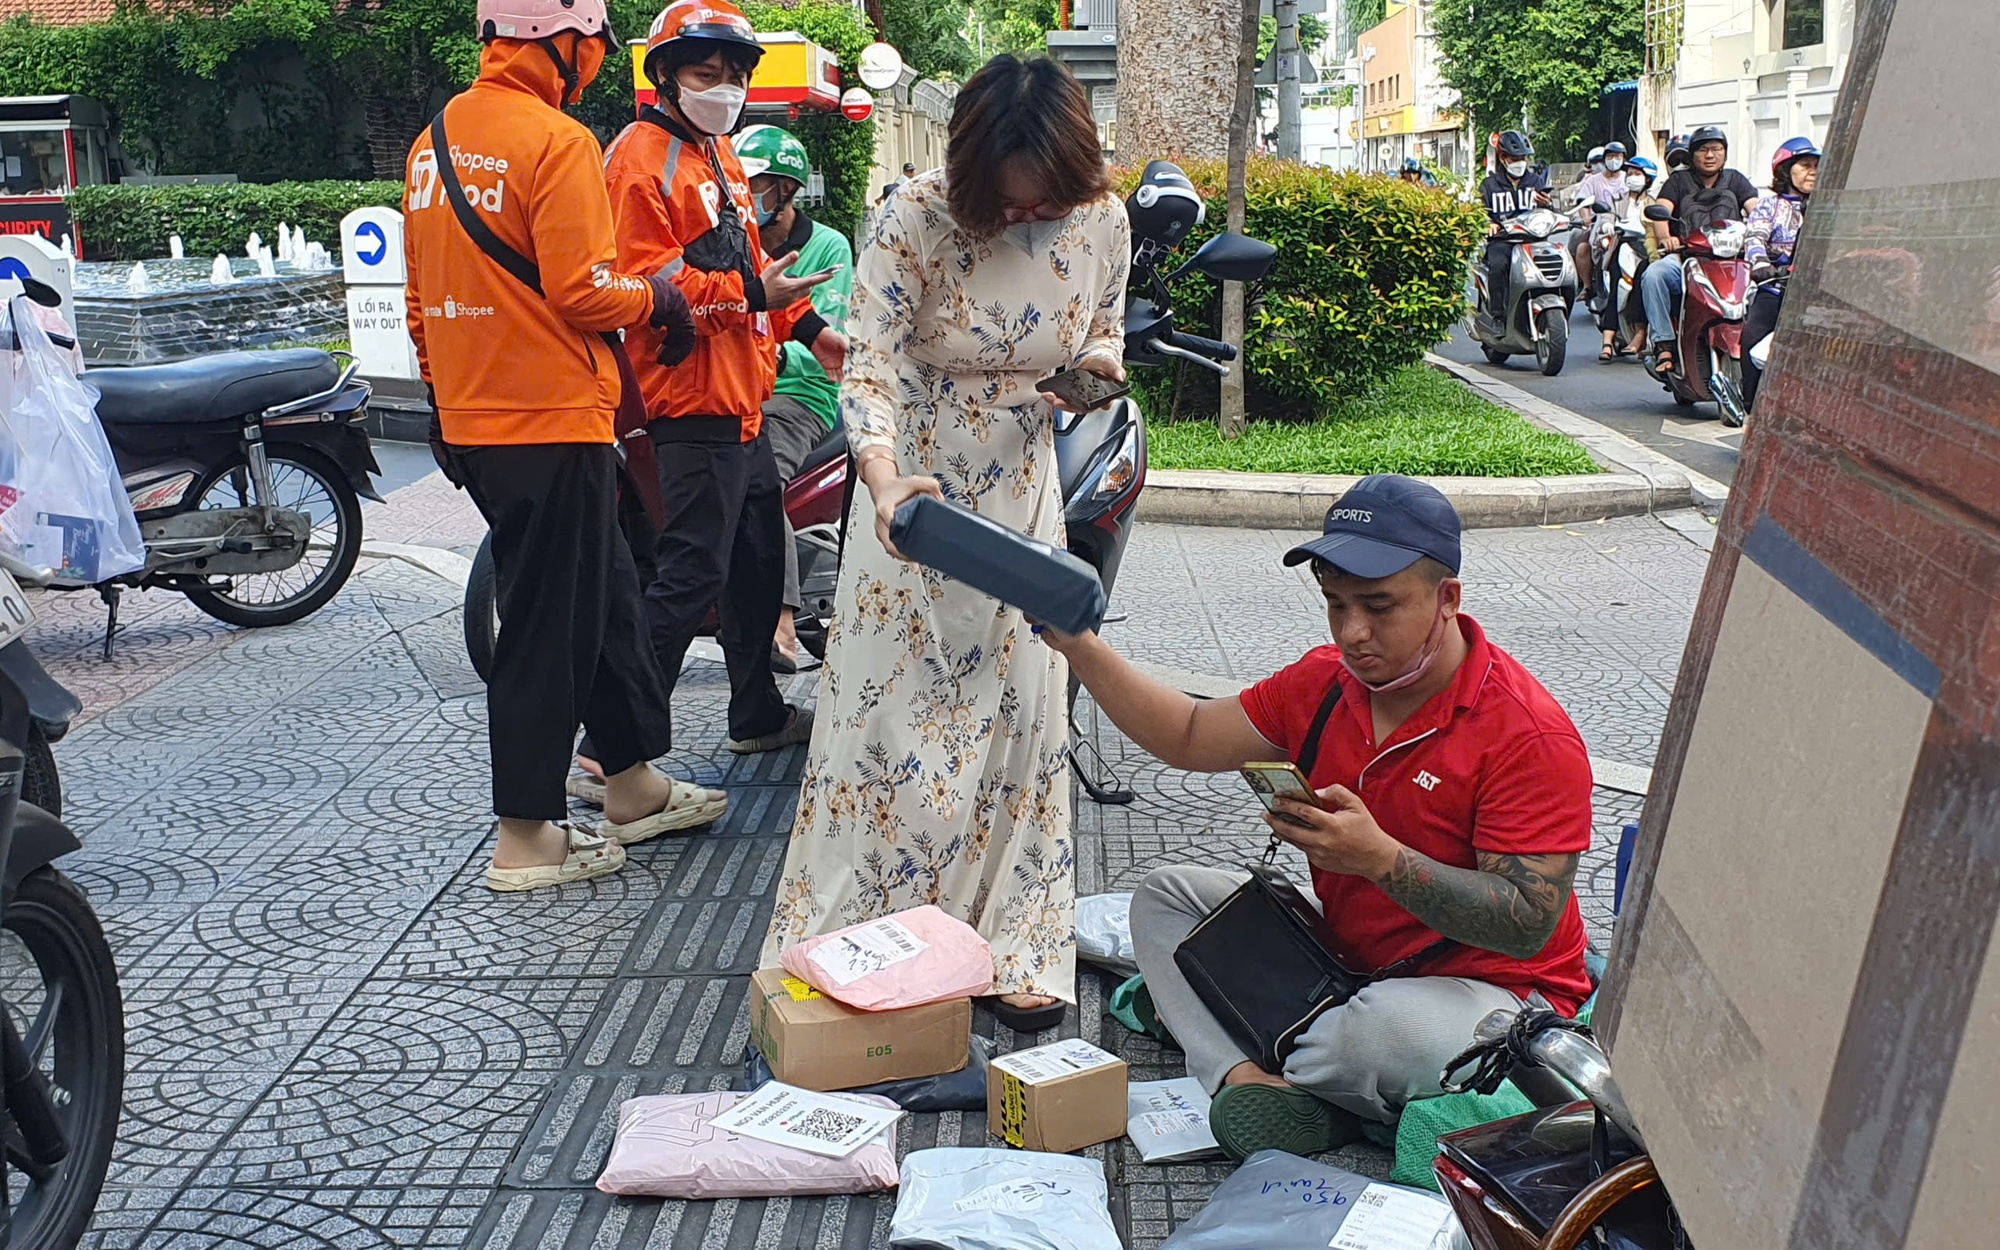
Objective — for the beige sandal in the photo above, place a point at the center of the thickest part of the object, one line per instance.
(688, 807)
(589, 856)
(585, 789)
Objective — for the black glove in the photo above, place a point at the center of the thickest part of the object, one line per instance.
(672, 314)
(440, 450)
(1763, 271)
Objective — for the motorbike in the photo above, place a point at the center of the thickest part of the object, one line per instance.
(1100, 455)
(1624, 260)
(62, 1016)
(1573, 1171)
(1540, 294)
(246, 471)
(1708, 339)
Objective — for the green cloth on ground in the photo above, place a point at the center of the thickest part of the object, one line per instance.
(1427, 1119)
(799, 373)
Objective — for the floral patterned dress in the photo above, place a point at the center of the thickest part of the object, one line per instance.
(937, 771)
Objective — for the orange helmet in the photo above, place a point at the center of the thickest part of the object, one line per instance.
(715, 23)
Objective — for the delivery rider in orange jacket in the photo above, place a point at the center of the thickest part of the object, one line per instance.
(683, 208)
(525, 386)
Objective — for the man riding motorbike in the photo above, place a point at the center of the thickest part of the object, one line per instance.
(1511, 188)
(1638, 180)
(1705, 192)
(1774, 233)
(1413, 171)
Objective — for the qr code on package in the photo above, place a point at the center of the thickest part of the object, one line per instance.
(827, 1125)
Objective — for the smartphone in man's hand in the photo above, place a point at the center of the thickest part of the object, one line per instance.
(1269, 780)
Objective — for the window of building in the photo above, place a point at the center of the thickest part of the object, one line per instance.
(1805, 23)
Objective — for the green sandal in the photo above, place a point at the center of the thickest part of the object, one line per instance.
(1248, 1118)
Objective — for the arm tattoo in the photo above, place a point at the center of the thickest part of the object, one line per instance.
(1510, 903)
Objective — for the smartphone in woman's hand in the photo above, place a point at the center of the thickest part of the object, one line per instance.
(1081, 390)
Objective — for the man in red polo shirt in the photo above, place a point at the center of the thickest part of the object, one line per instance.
(1453, 803)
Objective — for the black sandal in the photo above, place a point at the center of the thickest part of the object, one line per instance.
(1026, 1019)
(1609, 353)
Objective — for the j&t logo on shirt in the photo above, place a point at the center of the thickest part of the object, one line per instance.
(1427, 781)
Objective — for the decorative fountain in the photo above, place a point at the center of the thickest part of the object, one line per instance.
(172, 308)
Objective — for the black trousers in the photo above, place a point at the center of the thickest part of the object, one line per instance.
(1499, 273)
(574, 646)
(1757, 326)
(721, 548)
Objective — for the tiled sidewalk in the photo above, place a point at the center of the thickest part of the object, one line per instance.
(337, 1037)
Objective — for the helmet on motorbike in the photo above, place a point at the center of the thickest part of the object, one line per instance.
(1164, 207)
(1614, 148)
(769, 150)
(688, 31)
(1781, 161)
(1707, 134)
(1677, 151)
(1515, 145)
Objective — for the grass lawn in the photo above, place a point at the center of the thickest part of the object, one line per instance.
(1421, 422)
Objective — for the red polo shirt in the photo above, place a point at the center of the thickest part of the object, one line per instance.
(1490, 764)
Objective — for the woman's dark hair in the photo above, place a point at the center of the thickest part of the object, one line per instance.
(1032, 111)
(669, 60)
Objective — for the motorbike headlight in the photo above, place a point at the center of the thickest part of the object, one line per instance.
(1541, 223)
(1726, 241)
(1120, 469)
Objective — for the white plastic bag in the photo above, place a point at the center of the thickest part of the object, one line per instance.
(62, 502)
(966, 1198)
(1168, 1120)
(1278, 1201)
(1104, 932)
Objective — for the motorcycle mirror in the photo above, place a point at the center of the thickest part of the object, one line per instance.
(1659, 212)
(40, 292)
(1600, 207)
(1232, 258)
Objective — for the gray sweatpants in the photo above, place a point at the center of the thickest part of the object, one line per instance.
(794, 430)
(1381, 1049)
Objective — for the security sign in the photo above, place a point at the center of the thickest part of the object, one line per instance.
(857, 105)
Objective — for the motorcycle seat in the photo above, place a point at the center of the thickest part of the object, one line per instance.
(219, 387)
(834, 444)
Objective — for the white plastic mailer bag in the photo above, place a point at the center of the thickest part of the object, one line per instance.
(965, 1198)
(1168, 1120)
(1278, 1201)
(62, 500)
(1104, 932)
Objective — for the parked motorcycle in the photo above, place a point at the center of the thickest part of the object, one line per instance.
(1708, 320)
(1100, 455)
(1540, 294)
(246, 471)
(62, 1017)
(1569, 1173)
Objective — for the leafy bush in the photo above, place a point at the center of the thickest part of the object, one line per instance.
(1370, 274)
(133, 222)
(1419, 421)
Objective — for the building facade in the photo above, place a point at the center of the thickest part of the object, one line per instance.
(1406, 107)
(1763, 70)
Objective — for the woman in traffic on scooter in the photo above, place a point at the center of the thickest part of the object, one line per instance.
(1774, 233)
(1638, 195)
(938, 770)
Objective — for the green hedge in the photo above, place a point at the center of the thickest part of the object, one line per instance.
(132, 222)
(1370, 274)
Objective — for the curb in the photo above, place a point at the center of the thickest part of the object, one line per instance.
(1641, 481)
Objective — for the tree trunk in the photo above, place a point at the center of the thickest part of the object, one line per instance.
(1175, 78)
(878, 20)
(1242, 119)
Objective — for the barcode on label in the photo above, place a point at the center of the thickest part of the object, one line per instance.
(827, 1125)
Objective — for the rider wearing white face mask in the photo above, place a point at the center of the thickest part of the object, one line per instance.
(1511, 189)
(681, 199)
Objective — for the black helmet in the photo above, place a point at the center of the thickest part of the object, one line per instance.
(1677, 151)
(1614, 148)
(1411, 165)
(1707, 134)
(1515, 144)
(1164, 207)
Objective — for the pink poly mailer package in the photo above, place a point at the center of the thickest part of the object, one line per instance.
(905, 960)
(666, 1147)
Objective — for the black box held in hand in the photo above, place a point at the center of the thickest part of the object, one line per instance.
(1042, 580)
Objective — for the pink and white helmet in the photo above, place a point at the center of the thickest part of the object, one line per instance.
(541, 19)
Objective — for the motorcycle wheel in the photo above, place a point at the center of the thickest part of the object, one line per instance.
(482, 610)
(304, 481)
(61, 988)
(1495, 356)
(40, 783)
(1553, 346)
(1725, 382)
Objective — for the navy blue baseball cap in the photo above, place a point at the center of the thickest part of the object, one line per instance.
(1382, 525)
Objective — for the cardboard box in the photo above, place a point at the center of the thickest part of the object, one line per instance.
(816, 1043)
(1058, 1098)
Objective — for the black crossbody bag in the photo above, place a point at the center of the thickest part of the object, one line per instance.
(1256, 961)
